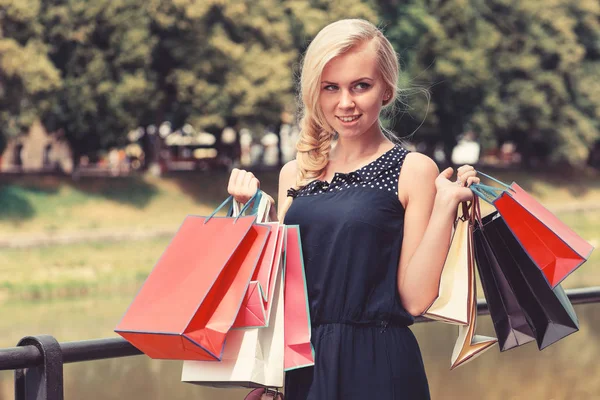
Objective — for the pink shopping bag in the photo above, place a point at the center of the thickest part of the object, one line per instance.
(256, 306)
(298, 351)
(191, 298)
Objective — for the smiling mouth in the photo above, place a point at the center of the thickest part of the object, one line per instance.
(349, 119)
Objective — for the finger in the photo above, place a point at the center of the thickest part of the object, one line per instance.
(239, 182)
(249, 188)
(240, 193)
(248, 176)
(472, 179)
(464, 168)
(447, 173)
(232, 181)
(253, 185)
(466, 175)
(469, 172)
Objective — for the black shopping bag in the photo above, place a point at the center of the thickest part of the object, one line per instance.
(510, 321)
(548, 311)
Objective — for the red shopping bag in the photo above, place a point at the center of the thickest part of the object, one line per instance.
(298, 351)
(554, 247)
(191, 298)
(256, 306)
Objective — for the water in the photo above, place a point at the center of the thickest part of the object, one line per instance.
(565, 370)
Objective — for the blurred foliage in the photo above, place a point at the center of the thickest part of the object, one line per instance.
(525, 71)
(99, 69)
(28, 78)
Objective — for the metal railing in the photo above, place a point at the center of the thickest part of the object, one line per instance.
(38, 360)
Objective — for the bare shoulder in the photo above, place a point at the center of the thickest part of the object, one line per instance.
(288, 173)
(420, 166)
(418, 174)
(287, 180)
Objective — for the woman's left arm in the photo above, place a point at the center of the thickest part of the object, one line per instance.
(431, 202)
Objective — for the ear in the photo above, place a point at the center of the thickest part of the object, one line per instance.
(386, 97)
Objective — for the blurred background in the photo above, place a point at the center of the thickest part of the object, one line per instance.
(119, 118)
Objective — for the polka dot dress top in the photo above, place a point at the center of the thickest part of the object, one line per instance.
(352, 230)
(380, 174)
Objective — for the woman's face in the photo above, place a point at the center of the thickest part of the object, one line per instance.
(352, 91)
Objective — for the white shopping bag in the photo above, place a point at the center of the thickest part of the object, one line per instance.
(253, 357)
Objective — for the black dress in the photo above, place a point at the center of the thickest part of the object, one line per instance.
(351, 231)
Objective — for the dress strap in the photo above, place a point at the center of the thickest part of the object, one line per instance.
(293, 193)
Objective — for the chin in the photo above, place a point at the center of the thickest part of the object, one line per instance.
(350, 133)
(345, 134)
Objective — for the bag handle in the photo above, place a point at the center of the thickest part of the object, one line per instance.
(260, 208)
(230, 199)
(264, 393)
(476, 214)
(489, 193)
(466, 206)
(504, 185)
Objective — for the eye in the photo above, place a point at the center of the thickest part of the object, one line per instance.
(362, 86)
(330, 88)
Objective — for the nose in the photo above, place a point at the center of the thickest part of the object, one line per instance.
(346, 100)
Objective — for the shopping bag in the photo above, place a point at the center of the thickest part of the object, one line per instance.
(468, 345)
(554, 247)
(451, 304)
(191, 298)
(298, 351)
(256, 306)
(252, 357)
(257, 302)
(510, 321)
(549, 311)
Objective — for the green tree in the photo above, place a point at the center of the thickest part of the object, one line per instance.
(523, 71)
(99, 69)
(27, 76)
(307, 17)
(227, 62)
(103, 50)
(222, 62)
(548, 64)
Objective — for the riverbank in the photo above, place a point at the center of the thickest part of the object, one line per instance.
(38, 208)
(104, 236)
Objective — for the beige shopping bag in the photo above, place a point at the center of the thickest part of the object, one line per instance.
(468, 345)
(452, 305)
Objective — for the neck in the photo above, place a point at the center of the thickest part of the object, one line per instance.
(359, 147)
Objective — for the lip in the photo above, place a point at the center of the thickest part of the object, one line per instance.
(348, 116)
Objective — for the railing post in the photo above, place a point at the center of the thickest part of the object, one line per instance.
(44, 382)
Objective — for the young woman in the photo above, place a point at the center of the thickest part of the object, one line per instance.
(375, 222)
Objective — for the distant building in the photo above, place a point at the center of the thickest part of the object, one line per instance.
(37, 151)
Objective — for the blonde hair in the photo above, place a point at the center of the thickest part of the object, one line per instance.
(316, 135)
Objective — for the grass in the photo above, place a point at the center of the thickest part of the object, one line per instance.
(84, 268)
(52, 205)
(86, 287)
(77, 269)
